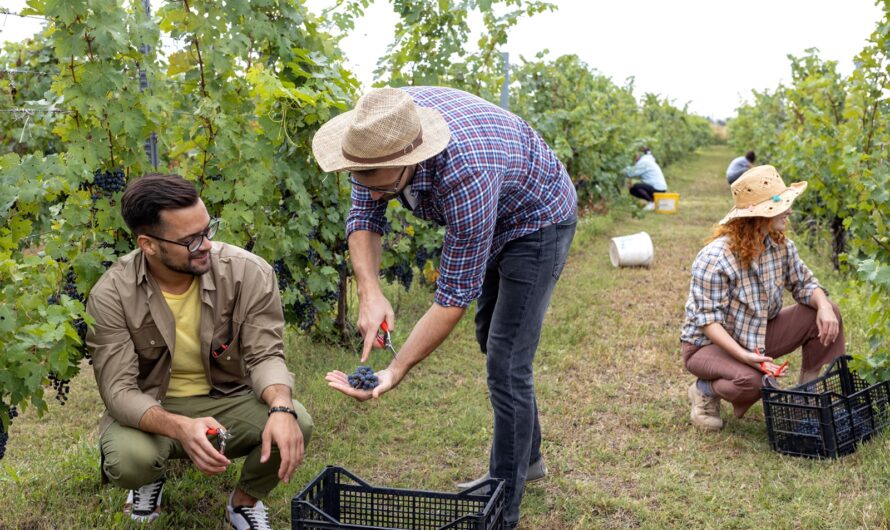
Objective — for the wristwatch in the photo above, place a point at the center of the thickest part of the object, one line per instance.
(283, 409)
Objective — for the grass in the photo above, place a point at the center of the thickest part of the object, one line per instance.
(611, 392)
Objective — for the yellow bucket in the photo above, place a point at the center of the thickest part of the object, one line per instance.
(667, 202)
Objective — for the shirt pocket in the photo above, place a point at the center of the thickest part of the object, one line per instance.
(225, 353)
(149, 346)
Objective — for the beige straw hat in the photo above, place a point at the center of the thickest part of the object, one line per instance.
(386, 129)
(761, 192)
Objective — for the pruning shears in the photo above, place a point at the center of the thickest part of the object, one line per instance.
(222, 436)
(778, 371)
(384, 338)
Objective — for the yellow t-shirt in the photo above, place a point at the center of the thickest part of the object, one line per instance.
(187, 376)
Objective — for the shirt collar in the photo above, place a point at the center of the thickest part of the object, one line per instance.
(423, 175)
(207, 282)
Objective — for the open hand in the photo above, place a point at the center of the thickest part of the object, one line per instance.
(339, 380)
(283, 430)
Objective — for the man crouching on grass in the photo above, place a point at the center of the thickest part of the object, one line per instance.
(188, 341)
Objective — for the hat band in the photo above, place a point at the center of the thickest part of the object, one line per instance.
(386, 158)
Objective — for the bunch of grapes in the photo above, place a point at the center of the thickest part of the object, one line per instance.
(420, 257)
(3, 438)
(283, 275)
(363, 378)
(81, 327)
(61, 386)
(250, 244)
(70, 287)
(110, 181)
(306, 313)
(401, 272)
(808, 427)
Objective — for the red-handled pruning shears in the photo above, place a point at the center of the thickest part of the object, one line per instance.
(223, 438)
(384, 339)
(779, 371)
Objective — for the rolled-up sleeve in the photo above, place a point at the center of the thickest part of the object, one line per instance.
(471, 215)
(799, 279)
(365, 213)
(262, 332)
(709, 289)
(115, 363)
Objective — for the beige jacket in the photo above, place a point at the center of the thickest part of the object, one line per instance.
(134, 336)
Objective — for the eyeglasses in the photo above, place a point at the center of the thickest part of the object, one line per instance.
(194, 242)
(377, 189)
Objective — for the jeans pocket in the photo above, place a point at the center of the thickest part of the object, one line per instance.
(565, 232)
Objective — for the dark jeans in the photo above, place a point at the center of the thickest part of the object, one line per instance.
(509, 314)
(644, 191)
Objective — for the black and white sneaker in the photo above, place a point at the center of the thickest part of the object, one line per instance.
(247, 517)
(144, 504)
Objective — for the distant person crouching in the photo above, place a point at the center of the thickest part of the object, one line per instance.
(650, 175)
(740, 165)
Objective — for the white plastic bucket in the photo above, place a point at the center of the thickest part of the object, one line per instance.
(631, 251)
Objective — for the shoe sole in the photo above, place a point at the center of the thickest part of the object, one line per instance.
(467, 485)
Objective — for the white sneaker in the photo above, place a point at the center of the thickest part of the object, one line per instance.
(247, 517)
(649, 207)
(144, 504)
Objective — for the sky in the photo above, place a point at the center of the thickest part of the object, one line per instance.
(708, 53)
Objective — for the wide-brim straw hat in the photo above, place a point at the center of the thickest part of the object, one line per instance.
(761, 192)
(386, 129)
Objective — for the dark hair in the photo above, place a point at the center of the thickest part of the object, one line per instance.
(145, 198)
(645, 150)
(751, 156)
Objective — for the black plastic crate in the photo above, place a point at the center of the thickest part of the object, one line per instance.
(338, 499)
(827, 417)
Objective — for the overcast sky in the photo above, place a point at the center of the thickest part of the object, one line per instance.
(710, 53)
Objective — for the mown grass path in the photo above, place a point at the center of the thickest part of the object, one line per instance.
(612, 397)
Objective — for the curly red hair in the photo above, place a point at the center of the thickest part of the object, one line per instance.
(745, 237)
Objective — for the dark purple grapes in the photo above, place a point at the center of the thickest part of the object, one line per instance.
(3, 439)
(402, 273)
(70, 287)
(283, 275)
(110, 181)
(363, 378)
(61, 386)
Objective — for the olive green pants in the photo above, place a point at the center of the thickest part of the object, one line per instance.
(132, 458)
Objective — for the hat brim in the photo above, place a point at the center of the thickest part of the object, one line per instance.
(329, 155)
(769, 207)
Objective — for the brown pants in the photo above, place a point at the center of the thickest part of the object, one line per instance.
(740, 383)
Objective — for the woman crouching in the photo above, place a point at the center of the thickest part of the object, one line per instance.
(735, 324)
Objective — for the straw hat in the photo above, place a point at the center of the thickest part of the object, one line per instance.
(386, 129)
(761, 192)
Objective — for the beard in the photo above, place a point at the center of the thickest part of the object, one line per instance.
(189, 267)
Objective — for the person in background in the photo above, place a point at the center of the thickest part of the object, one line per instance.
(651, 178)
(509, 210)
(740, 165)
(734, 315)
(188, 344)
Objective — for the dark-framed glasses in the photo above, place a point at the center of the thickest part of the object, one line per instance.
(378, 189)
(193, 243)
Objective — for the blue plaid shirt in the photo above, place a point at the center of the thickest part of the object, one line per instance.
(495, 181)
(743, 300)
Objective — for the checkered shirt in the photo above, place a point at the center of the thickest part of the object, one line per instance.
(743, 301)
(495, 181)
